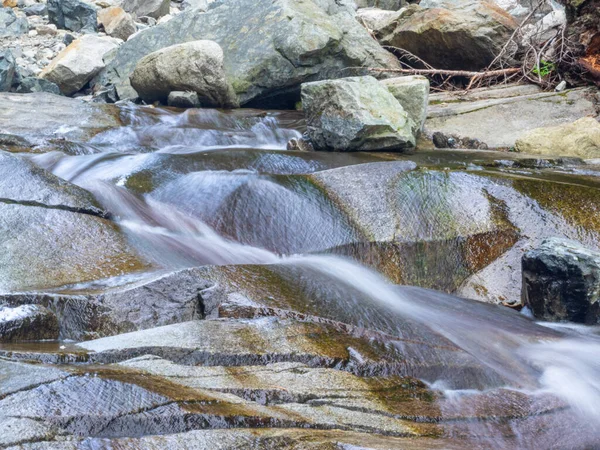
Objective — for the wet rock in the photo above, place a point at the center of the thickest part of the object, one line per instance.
(301, 144)
(76, 65)
(23, 182)
(183, 99)
(413, 94)
(561, 282)
(490, 116)
(12, 141)
(74, 15)
(257, 341)
(316, 41)
(467, 37)
(7, 70)
(37, 9)
(101, 310)
(43, 116)
(271, 438)
(194, 66)
(27, 323)
(147, 8)
(116, 22)
(11, 25)
(355, 114)
(28, 85)
(53, 232)
(579, 139)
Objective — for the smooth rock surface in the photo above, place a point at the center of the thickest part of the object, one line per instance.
(194, 66)
(561, 282)
(78, 63)
(355, 114)
(74, 15)
(578, 139)
(42, 116)
(299, 42)
(488, 114)
(52, 232)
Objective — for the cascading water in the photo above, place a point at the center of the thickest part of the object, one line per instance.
(178, 220)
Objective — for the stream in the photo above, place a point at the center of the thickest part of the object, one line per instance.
(219, 189)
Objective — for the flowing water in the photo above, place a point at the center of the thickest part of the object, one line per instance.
(212, 188)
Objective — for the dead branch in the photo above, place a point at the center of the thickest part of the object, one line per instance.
(452, 73)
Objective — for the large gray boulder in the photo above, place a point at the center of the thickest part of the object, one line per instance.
(194, 66)
(147, 8)
(77, 64)
(355, 114)
(270, 47)
(413, 94)
(27, 323)
(466, 37)
(561, 282)
(74, 15)
(7, 70)
(10, 24)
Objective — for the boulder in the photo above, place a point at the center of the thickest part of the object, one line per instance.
(74, 15)
(147, 8)
(116, 22)
(561, 282)
(467, 37)
(270, 47)
(77, 64)
(355, 114)
(7, 70)
(375, 20)
(37, 9)
(580, 139)
(413, 94)
(181, 99)
(27, 323)
(194, 66)
(32, 84)
(11, 25)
